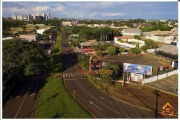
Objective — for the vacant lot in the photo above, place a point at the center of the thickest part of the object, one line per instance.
(142, 59)
(29, 28)
(169, 84)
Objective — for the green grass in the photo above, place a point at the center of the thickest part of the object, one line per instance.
(58, 103)
(55, 101)
(29, 27)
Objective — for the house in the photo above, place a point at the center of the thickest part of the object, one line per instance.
(30, 37)
(95, 62)
(175, 31)
(131, 31)
(66, 23)
(86, 46)
(168, 49)
(128, 41)
(163, 38)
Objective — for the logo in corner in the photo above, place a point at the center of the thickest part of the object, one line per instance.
(167, 110)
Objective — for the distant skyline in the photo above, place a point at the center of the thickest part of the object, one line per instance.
(94, 10)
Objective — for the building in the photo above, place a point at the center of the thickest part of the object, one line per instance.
(66, 23)
(28, 17)
(29, 37)
(163, 38)
(131, 31)
(175, 31)
(14, 17)
(86, 46)
(40, 31)
(168, 49)
(48, 16)
(44, 17)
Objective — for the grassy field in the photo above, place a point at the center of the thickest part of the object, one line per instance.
(55, 101)
(29, 28)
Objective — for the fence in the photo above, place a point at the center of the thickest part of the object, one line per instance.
(160, 76)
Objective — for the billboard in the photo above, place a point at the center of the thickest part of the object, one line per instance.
(136, 68)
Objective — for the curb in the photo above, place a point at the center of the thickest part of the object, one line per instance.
(121, 100)
(77, 100)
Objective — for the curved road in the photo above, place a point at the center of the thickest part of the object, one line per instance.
(99, 104)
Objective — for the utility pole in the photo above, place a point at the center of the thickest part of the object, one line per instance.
(156, 92)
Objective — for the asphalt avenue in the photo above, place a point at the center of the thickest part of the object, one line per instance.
(97, 103)
(23, 97)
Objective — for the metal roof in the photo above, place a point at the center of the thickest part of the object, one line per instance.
(169, 49)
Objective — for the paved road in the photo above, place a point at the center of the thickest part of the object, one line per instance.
(99, 104)
(23, 98)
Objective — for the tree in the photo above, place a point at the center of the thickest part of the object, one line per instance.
(100, 53)
(115, 69)
(121, 49)
(37, 27)
(24, 27)
(137, 37)
(135, 50)
(150, 43)
(22, 56)
(111, 50)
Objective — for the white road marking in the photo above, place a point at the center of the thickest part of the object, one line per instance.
(95, 105)
(105, 100)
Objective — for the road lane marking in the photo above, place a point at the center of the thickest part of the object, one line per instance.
(74, 75)
(71, 74)
(96, 99)
(95, 105)
(105, 100)
(20, 106)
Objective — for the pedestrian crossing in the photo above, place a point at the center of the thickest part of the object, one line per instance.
(73, 75)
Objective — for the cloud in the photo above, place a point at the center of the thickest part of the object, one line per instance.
(160, 13)
(41, 8)
(112, 14)
(58, 9)
(145, 5)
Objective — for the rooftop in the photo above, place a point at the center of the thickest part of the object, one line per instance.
(169, 49)
(132, 30)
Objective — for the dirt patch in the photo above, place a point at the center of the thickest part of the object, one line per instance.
(144, 97)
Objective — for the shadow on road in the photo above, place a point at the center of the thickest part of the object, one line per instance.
(49, 98)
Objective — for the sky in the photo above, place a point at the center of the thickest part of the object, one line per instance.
(94, 10)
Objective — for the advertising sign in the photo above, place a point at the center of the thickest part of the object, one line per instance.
(136, 68)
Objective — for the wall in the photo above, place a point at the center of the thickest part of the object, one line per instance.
(129, 40)
(155, 78)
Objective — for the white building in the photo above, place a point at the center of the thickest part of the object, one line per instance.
(40, 31)
(14, 17)
(48, 16)
(163, 38)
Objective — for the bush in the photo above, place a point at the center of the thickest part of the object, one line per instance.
(135, 50)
